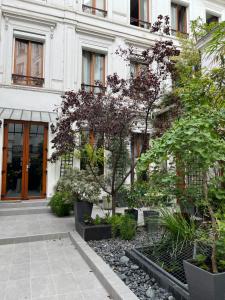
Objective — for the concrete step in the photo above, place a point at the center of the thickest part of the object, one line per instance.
(22, 204)
(24, 210)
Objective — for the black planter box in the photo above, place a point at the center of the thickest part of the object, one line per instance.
(177, 288)
(132, 212)
(82, 209)
(93, 232)
(204, 285)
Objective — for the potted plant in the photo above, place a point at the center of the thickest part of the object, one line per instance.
(95, 229)
(205, 272)
(83, 192)
(130, 198)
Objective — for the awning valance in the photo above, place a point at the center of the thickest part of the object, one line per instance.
(27, 115)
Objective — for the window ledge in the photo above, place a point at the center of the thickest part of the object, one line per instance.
(31, 88)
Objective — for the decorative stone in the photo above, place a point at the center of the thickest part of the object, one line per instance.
(134, 267)
(150, 293)
(113, 252)
(124, 260)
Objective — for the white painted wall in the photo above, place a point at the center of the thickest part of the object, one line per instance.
(65, 30)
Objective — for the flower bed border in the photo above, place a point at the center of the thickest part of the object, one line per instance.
(166, 280)
(108, 278)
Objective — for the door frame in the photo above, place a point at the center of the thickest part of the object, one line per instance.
(25, 158)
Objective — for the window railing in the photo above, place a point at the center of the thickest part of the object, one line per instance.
(27, 80)
(140, 23)
(94, 10)
(93, 88)
(175, 32)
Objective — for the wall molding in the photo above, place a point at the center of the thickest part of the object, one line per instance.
(8, 15)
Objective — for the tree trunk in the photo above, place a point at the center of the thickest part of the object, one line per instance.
(113, 204)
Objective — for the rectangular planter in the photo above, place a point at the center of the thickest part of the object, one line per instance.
(93, 232)
(166, 280)
(204, 285)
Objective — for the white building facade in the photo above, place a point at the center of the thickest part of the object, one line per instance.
(50, 46)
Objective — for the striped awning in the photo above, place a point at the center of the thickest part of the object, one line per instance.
(27, 115)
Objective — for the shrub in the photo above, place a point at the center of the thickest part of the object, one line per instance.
(97, 220)
(80, 185)
(180, 228)
(124, 226)
(59, 204)
(115, 222)
(128, 227)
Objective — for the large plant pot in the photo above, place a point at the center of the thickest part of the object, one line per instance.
(82, 209)
(204, 285)
(150, 215)
(132, 212)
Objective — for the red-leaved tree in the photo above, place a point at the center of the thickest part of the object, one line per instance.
(117, 108)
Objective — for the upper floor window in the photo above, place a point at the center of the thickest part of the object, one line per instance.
(93, 70)
(211, 18)
(139, 13)
(178, 19)
(95, 7)
(28, 63)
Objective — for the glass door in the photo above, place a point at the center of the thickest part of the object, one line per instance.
(24, 160)
(13, 160)
(36, 160)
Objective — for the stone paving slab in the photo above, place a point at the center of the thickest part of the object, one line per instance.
(47, 270)
(31, 225)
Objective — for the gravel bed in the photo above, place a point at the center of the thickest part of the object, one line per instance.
(113, 253)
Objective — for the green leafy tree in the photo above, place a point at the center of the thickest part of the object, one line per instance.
(194, 138)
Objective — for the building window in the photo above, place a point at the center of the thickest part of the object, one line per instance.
(137, 143)
(89, 137)
(178, 19)
(93, 71)
(136, 67)
(139, 13)
(211, 18)
(28, 63)
(95, 7)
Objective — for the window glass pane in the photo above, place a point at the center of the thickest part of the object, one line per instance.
(87, 2)
(98, 68)
(182, 19)
(14, 160)
(35, 166)
(174, 17)
(211, 19)
(36, 60)
(144, 10)
(21, 50)
(100, 4)
(134, 11)
(133, 69)
(86, 67)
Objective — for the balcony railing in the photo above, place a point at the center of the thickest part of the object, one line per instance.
(94, 10)
(140, 23)
(175, 32)
(27, 80)
(93, 88)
